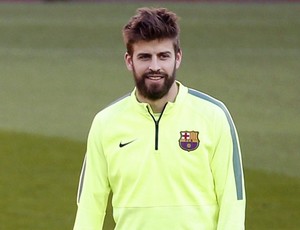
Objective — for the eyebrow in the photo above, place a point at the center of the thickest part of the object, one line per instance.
(149, 54)
(165, 52)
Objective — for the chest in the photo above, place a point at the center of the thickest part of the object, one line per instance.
(140, 149)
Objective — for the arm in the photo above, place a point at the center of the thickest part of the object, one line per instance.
(93, 187)
(228, 175)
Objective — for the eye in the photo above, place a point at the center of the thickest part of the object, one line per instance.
(164, 56)
(144, 57)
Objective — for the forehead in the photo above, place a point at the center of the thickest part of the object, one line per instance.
(153, 47)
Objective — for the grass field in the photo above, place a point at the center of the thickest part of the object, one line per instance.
(62, 63)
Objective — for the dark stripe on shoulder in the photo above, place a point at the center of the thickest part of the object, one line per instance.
(236, 151)
(81, 180)
(119, 99)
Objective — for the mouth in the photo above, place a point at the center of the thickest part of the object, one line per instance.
(155, 77)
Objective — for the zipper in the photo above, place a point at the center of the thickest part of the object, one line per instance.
(156, 122)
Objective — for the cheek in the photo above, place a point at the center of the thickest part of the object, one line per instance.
(172, 67)
(139, 68)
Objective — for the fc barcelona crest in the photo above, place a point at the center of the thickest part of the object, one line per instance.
(189, 140)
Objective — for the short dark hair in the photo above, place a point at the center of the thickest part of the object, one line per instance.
(151, 24)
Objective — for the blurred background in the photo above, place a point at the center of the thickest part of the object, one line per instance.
(62, 61)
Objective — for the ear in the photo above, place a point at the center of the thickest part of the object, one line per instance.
(178, 58)
(128, 61)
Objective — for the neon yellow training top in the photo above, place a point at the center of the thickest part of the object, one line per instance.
(178, 170)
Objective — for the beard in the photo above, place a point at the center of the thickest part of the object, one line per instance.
(154, 91)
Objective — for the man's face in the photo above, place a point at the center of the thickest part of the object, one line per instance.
(154, 65)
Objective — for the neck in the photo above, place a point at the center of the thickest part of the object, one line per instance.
(158, 105)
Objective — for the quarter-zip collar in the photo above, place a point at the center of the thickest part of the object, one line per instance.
(169, 108)
(156, 122)
(143, 108)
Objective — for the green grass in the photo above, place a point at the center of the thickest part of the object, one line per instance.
(273, 201)
(39, 179)
(61, 63)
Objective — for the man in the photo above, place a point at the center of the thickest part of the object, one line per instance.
(169, 154)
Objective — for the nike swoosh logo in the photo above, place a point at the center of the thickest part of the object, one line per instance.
(121, 145)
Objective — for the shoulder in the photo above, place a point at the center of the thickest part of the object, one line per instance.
(201, 97)
(211, 107)
(116, 108)
(206, 100)
(198, 100)
(208, 106)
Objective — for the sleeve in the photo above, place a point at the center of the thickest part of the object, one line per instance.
(228, 175)
(93, 187)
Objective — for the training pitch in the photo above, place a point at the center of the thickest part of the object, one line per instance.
(61, 63)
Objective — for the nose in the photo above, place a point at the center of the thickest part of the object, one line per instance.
(154, 65)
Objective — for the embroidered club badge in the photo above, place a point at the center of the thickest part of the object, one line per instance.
(189, 140)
